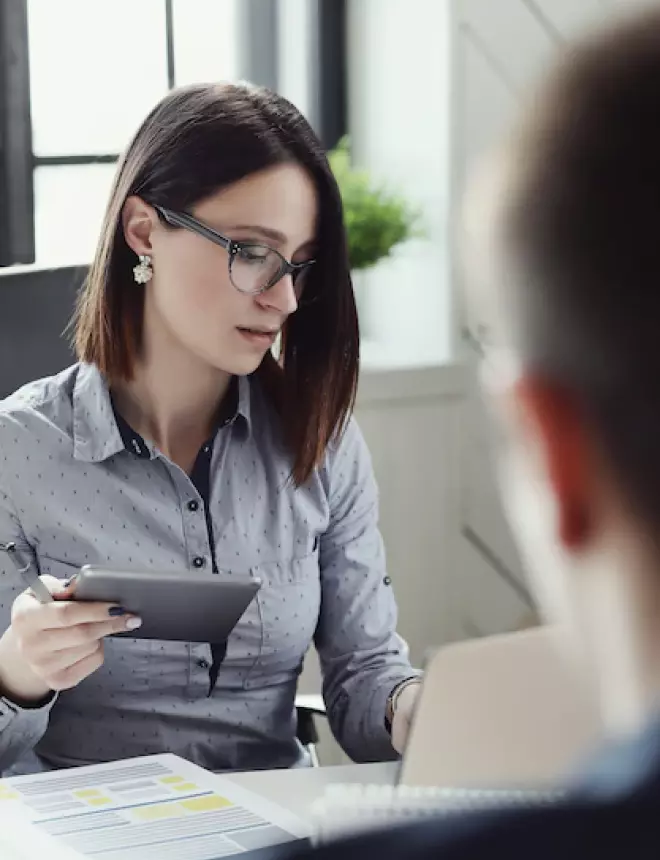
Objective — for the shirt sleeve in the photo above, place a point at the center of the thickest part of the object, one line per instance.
(20, 728)
(362, 657)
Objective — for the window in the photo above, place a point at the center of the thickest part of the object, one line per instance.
(90, 88)
(70, 103)
(399, 116)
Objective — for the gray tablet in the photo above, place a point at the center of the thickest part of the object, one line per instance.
(178, 605)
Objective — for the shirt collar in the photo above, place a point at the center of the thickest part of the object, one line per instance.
(96, 436)
(99, 432)
(624, 767)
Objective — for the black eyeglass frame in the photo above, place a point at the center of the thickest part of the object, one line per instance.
(233, 248)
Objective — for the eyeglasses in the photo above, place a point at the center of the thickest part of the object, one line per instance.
(476, 341)
(253, 268)
(498, 366)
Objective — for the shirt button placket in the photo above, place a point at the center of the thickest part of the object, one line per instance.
(194, 506)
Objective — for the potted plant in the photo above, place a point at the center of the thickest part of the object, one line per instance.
(377, 219)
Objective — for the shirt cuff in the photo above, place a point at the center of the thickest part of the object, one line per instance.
(10, 710)
(391, 701)
(378, 710)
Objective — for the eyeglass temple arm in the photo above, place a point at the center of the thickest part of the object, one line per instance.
(180, 219)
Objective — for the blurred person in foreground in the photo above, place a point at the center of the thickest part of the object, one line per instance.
(563, 238)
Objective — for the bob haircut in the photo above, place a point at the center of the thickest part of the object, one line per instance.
(196, 141)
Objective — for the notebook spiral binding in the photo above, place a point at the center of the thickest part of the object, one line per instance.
(349, 809)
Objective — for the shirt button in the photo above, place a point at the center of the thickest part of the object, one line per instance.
(193, 505)
(199, 561)
(203, 663)
(387, 580)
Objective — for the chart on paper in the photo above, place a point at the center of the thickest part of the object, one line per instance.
(152, 808)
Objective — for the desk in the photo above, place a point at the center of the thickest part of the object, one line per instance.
(298, 788)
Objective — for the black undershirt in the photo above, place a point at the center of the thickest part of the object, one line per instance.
(201, 479)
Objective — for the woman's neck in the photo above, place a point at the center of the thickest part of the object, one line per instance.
(173, 400)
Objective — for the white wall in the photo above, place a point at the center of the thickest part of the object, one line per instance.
(399, 126)
(295, 27)
(412, 425)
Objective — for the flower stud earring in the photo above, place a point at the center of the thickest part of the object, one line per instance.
(143, 272)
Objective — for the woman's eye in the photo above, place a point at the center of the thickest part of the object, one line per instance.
(252, 253)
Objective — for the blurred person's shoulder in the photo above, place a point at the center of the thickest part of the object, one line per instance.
(611, 812)
(574, 830)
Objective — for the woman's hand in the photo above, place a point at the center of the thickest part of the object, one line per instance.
(403, 713)
(54, 646)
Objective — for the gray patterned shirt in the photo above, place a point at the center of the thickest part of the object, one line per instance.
(73, 493)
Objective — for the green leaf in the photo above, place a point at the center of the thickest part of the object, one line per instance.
(376, 219)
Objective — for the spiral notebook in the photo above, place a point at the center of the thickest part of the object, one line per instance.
(349, 809)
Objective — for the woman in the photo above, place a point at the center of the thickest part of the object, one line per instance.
(179, 442)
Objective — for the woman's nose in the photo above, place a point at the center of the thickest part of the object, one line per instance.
(281, 296)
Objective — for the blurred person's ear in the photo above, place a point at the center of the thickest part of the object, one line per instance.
(548, 429)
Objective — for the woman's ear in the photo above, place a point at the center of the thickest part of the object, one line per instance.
(138, 221)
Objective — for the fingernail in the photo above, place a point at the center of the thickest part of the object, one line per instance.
(116, 611)
(133, 623)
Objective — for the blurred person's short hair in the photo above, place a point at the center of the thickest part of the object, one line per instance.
(578, 244)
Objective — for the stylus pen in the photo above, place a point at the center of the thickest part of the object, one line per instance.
(27, 572)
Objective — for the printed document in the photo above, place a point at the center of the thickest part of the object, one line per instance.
(152, 808)
(20, 840)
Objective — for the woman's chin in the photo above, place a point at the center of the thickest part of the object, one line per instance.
(240, 365)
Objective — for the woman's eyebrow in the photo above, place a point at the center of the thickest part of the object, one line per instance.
(268, 233)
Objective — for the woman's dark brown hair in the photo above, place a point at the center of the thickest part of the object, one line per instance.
(196, 141)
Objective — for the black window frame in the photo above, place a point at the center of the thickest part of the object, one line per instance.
(331, 71)
(16, 169)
